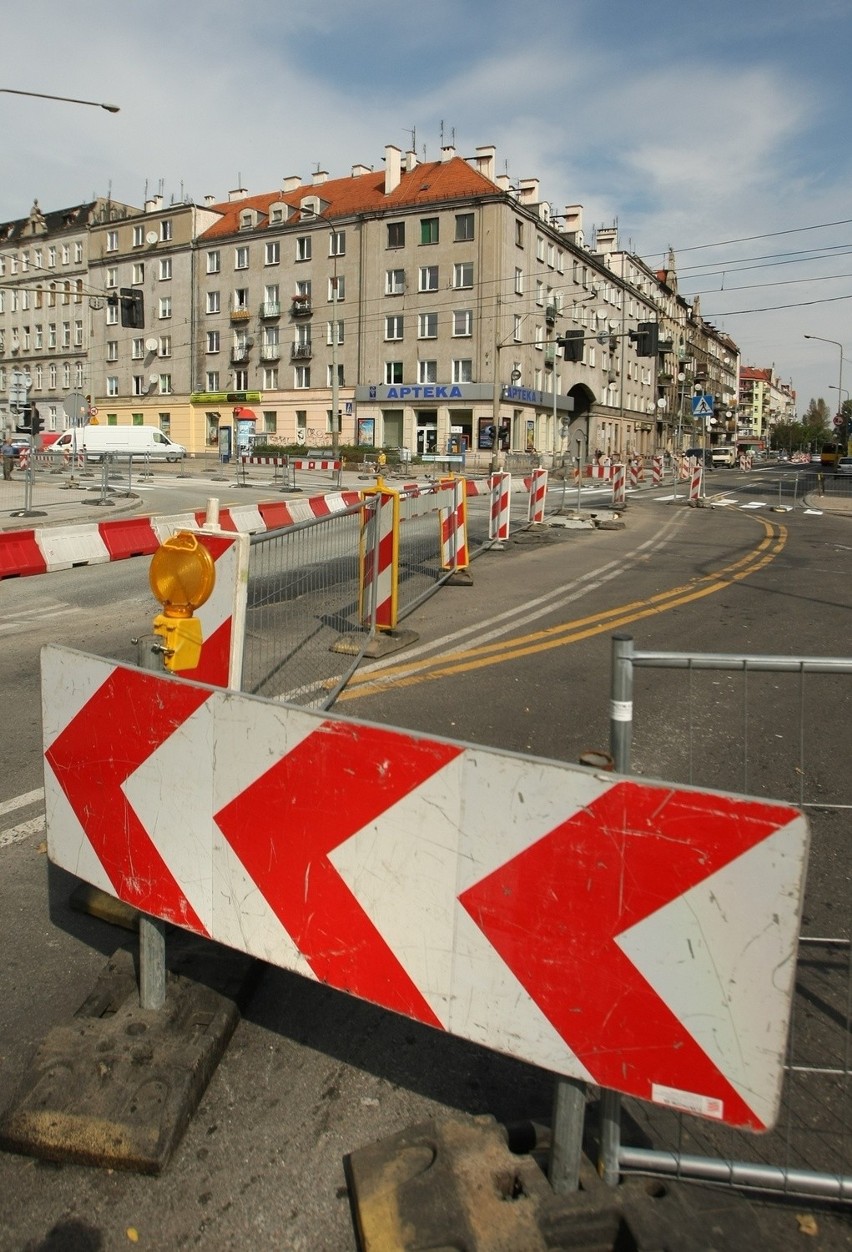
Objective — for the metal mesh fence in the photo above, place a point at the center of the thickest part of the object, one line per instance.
(756, 725)
(303, 602)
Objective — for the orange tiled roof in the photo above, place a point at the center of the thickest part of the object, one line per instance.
(428, 183)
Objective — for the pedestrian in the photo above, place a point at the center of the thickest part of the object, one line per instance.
(8, 454)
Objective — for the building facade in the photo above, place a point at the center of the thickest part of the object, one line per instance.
(426, 306)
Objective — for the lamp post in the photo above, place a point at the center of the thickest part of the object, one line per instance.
(40, 95)
(335, 383)
(839, 346)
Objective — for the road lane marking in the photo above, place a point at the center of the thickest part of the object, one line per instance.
(16, 834)
(21, 802)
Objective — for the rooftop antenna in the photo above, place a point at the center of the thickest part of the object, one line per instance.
(413, 134)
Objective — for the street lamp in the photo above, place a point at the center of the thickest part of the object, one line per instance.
(839, 387)
(335, 385)
(40, 95)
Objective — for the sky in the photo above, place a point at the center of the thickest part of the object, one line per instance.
(716, 128)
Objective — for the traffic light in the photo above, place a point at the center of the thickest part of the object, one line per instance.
(36, 422)
(24, 416)
(646, 336)
(132, 312)
(571, 344)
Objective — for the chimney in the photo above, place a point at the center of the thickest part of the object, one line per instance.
(319, 177)
(606, 239)
(447, 152)
(410, 160)
(359, 170)
(209, 200)
(393, 163)
(238, 193)
(528, 192)
(504, 182)
(485, 161)
(573, 219)
(291, 183)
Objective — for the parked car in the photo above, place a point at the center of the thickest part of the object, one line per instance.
(701, 454)
(844, 466)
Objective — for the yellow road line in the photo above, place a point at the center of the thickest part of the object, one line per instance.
(469, 659)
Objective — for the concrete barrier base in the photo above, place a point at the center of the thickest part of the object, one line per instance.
(117, 1085)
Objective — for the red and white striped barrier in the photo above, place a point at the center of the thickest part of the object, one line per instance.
(326, 466)
(637, 473)
(618, 485)
(455, 554)
(538, 495)
(380, 559)
(695, 481)
(657, 471)
(501, 504)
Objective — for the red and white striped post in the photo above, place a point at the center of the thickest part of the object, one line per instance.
(619, 495)
(657, 471)
(695, 481)
(498, 522)
(636, 472)
(455, 554)
(379, 571)
(538, 495)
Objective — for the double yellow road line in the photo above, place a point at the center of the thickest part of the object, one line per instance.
(428, 669)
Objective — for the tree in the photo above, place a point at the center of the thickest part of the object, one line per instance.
(817, 422)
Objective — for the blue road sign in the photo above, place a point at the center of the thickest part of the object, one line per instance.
(702, 406)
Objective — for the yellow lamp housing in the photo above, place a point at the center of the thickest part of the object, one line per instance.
(182, 575)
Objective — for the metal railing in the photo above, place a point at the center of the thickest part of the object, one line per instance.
(304, 629)
(748, 723)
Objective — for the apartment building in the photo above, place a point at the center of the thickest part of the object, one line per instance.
(46, 313)
(764, 400)
(435, 305)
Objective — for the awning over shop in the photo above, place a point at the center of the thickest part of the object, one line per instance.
(245, 415)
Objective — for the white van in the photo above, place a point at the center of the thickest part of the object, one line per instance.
(96, 442)
(724, 454)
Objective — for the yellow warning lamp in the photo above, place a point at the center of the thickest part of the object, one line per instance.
(181, 575)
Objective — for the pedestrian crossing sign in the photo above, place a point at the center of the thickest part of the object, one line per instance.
(702, 406)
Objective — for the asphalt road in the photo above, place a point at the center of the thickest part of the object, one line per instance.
(520, 660)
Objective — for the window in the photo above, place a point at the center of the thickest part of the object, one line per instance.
(394, 282)
(211, 380)
(164, 306)
(519, 233)
(270, 379)
(516, 331)
(138, 236)
(111, 276)
(539, 291)
(112, 315)
(303, 289)
(66, 256)
(463, 371)
(340, 280)
(539, 248)
(339, 332)
(137, 349)
(166, 230)
(464, 226)
(394, 326)
(241, 298)
(463, 274)
(427, 371)
(427, 326)
(393, 372)
(462, 323)
(51, 254)
(519, 281)
(214, 262)
(330, 376)
(213, 341)
(112, 350)
(139, 385)
(213, 302)
(111, 244)
(165, 268)
(429, 230)
(138, 273)
(271, 300)
(66, 374)
(272, 253)
(337, 243)
(302, 377)
(165, 346)
(51, 379)
(66, 334)
(165, 384)
(111, 382)
(428, 280)
(78, 254)
(303, 248)
(396, 234)
(78, 334)
(39, 338)
(241, 258)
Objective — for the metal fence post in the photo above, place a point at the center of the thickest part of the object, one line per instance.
(566, 1143)
(152, 931)
(620, 739)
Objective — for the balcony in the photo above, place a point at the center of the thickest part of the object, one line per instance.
(270, 308)
(301, 307)
(239, 355)
(270, 351)
(301, 352)
(240, 314)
